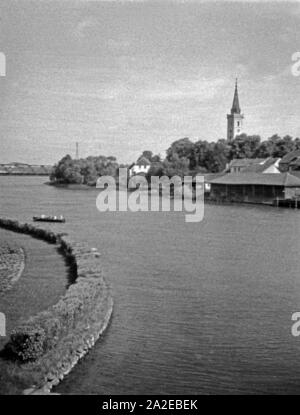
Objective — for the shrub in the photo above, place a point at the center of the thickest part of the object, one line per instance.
(27, 342)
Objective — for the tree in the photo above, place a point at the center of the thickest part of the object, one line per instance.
(84, 170)
(66, 171)
(178, 166)
(150, 156)
(147, 154)
(244, 146)
(181, 148)
(281, 146)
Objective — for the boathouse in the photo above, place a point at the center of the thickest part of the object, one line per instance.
(266, 188)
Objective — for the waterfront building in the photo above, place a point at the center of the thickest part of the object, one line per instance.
(235, 118)
(208, 178)
(266, 188)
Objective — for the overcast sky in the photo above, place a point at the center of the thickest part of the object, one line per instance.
(121, 77)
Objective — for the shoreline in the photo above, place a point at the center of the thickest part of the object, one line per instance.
(32, 350)
(70, 186)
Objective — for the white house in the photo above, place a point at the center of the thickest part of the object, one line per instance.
(142, 166)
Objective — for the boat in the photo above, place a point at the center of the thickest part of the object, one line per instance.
(45, 218)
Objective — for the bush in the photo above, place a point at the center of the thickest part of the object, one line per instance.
(27, 342)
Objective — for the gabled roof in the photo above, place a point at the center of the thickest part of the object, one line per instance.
(268, 179)
(261, 167)
(290, 156)
(209, 177)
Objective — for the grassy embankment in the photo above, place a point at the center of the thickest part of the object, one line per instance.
(42, 350)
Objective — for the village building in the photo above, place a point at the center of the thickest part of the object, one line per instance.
(142, 166)
(267, 165)
(290, 162)
(208, 178)
(266, 188)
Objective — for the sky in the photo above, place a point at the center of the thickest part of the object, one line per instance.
(120, 77)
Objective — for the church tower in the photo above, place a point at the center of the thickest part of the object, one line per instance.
(235, 118)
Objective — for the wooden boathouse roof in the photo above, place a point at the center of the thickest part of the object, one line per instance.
(266, 179)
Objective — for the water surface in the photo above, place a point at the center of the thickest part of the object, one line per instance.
(199, 308)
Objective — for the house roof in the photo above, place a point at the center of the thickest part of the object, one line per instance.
(245, 162)
(268, 179)
(290, 156)
(295, 163)
(261, 167)
(208, 177)
(295, 173)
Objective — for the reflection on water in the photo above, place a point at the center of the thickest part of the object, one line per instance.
(199, 308)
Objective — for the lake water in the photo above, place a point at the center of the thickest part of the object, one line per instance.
(200, 308)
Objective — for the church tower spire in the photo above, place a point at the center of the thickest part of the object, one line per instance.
(235, 118)
(236, 104)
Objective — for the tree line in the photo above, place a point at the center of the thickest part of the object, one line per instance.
(183, 157)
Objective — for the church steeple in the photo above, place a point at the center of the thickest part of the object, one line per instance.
(235, 118)
(236, 104)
